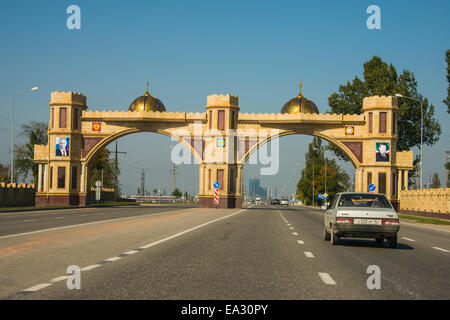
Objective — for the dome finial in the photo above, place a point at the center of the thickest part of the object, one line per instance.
(147, 85)
(300, 90)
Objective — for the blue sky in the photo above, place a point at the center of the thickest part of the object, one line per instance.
(257, 50)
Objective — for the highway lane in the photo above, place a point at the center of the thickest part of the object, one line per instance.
(261, 253)
(31, 221)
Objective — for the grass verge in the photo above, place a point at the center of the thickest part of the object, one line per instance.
(424, 219)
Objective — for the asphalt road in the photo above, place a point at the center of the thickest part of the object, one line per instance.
(31, 221)
(263, 252)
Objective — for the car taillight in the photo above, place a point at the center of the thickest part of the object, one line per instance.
(344, 220)
(393, 222)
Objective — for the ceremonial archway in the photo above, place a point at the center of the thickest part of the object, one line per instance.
(221, 139)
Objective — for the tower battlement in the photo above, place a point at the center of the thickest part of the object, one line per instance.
(380, 102)
(62, 97)
(222, 100)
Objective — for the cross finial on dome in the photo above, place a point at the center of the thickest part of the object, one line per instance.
(300, 87)
(147, 84)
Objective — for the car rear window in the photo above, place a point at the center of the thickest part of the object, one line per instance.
(364, 200)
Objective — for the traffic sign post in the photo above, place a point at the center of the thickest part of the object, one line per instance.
(216, 197)
(98, 190)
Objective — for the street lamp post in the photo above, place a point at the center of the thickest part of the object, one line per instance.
(313, 177)
(12, 128)
(421, 134)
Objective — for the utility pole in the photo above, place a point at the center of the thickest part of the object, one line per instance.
(173, 178)
(446, 170)
(116, 170)
(142, 182)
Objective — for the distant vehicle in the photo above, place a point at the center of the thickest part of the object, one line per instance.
(275, 202)
(284, 202)
(361, 215)
(249, 202)
(258, 201)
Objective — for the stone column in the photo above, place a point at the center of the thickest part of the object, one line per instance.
(399, 182)
(39, 186)
(406, 180)
(46, 177)
(83, 178)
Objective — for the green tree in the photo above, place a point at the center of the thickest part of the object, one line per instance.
(186, 195)
(447, 59)
(382, 79)
(177, 193)
(35, 133)
(103, 162)
(4, 173)
(435, 182)
(337, 179)
(155, 192)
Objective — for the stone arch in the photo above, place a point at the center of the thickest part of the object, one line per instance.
(109, 139)
(337, 143)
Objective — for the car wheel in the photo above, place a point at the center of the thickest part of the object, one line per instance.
(334, 237)
(379, 242)
(392, 241)
(326, 234)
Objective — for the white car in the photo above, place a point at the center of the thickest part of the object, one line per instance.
(361, 215)
(284, 202)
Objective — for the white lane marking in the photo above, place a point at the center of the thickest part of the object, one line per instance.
(59, 279)
(29, 220)
(309, 254)
(408, 239)
(295, 233)
(113, 259)
(38, 287)
(288, 224)
(59, 217)
(95, 222)
(326, 278)
(92, 266)
(131, 252)
(188, 230)
(300, 242)
(292, 228)
(437, 248)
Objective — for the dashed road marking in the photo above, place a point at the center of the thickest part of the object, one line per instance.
(59, 279)
(92, 266)
(408, 239)
(292, 228)
(309, 254)
(29, 220)
(38, 287)
(131, 252)
(295, 233)
(113, 259)
(326, 278)
(300, 242)
(440, 249)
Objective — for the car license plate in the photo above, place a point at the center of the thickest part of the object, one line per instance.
(367, 221)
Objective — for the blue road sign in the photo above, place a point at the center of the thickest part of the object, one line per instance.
(372, 187)
(322, 196)
(216, 185)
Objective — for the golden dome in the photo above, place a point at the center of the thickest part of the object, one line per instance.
(147, 103)
(299, 104)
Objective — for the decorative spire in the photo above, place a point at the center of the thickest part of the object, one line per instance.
(300, 90)
(146, 91)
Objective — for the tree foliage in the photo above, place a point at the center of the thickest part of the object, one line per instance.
(103, 162)
(337, 179)
(35, 133)
(435, 182)
(177, 193)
